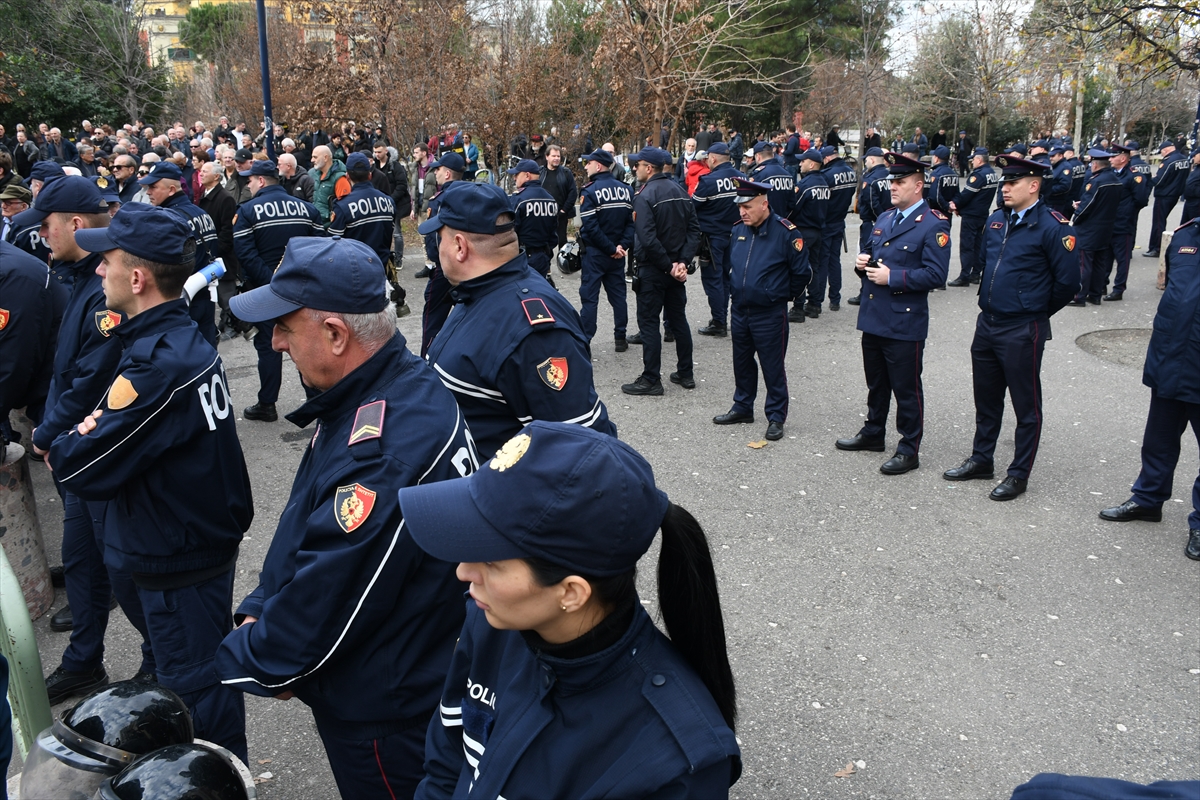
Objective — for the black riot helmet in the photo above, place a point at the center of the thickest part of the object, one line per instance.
(568, 258)
(182, 772)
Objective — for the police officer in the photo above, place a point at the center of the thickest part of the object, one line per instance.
(84, 364)
(769, 267)
(448, 169)
(973, 205)
(943, 181)
(1125, 225)
(1079, 172)
(536, 213)
(1039, 277)
(1143, 183)
(812, 200)
(1172, 372)
(768, 169)
(14, 198)
(1058, 193)
(369, 660)
(606, 230)
(666, 238)
(1191, 190)
(716, 214)
(163, 186)
(368, 215)
(23, 231)
(159, 447)
(1168, 187)
(262, 228)
(512, 349)
(842, 182)
(907, 257)
(1095, 214)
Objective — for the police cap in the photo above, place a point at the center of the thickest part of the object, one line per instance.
(575, 497)
(941, 151)
(980, 151)
(1057, 149)
(70, 194)
(358, 161)
(1096, 153)
(1013, 168)
(335, 274)
(1019, 147)
(900, 165)
(1132, 144)
(813, 154)
(653, 155)
(718, 149)
(1041, 144)
(163, 170)
(1165, 144)
(747, 190)
(265, 167)
(1118, 149)
(107, 187)
(243, 154)
(529, 165)
(451, 161)
(874, 151)
(470, 207)
(602, 156)
(45, 171)
(761, 146)
(827, 151)
(146, 231)
(911, 147)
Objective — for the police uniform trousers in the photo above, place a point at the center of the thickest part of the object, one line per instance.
(539, 260)
(563, 222)
(1122, 251)
(762, 332)
(714, 275)
(1094, 265)
(187, 625)
(1162, 207)
(599, 270)
(864, 234)
(659, 293)
(270, 365)
(830, 270)
(90, 587)
(1008, 355)
(376, 761)
(816, 258)
(970, 247)
(438, 303)
(893, 366)
(1165, 425)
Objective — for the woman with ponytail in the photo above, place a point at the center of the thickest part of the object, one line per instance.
(560, 685)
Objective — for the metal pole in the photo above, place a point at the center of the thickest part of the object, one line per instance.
(26, 686)
(268, 123)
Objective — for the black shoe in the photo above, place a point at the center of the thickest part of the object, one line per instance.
(941, 288)
(812, 311)
(423, 272)
(1094, 300)
(860, 442)
(1077, 303)
(855, 300)
(713, 328)
(1150, 254)
(900, 464)
(56, 577)
(668, 336)
(1192, 550)
(263, 412)
(61, 684)
(976, 279)
(796, 314)
(63, 620)
(643, 385)
(968, 470)
(1009, 488)
(635, 339)
(621, 345)
(959, 282)
(835, 306)
(1113, 297)
(774, 431)
(732, 418)
(1129, 510)
(686, 382)
(145, 676)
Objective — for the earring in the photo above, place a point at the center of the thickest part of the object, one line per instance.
(564, 608)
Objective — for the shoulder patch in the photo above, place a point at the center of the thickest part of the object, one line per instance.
(5, 316)
(107, 320)
(798, 245)
(121, 393)
(368, 422)
(1187, 251)
(553, 372)
(938, 214)
(1068, 243)
(1087, 188)
(1137, 179)
(787, 223)
(997, 225)
(1059, 217)
(971, 179)
(352, 505)
(536, 311)
(943, 239)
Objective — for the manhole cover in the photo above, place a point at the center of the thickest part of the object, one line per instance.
(1126, 347)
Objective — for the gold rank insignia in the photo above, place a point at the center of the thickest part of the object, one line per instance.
(121, 393)
(368, 422)
(352, 505)
(1069, 243)
(943, 239)
(798, 244)
(106, 321)
(4, 317)
(553, 372)
(511, 453)
(536, 311)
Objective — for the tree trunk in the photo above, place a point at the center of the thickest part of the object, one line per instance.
(1078, 114)
(787, 102)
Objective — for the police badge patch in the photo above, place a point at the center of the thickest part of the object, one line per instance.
(106, 321)
(352, 505)
(4, 317)
(943, 239)
(798, 244)
(1069, 243)
(510, 453)
(553, 372)
(121, 393)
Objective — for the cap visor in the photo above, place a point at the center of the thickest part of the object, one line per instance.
(430, 225)
(30, 216)
(444, 521)
(740, 199)
(513, 171)
(94, 240)
(260, 305)
(146, 180)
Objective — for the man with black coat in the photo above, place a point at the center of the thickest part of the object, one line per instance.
(397, 177)
(220, 207)
(560, 183)
(1095, 214)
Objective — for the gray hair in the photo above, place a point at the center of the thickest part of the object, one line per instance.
(372, 331)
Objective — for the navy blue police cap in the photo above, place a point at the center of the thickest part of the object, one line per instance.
(470, 207)
(330, 274)
(564, 493)
(874, 151)
(264, 166)
(1057, 149)
(45, 171)
(827, 151)
(1118, 149)
(1095, 153)
(107, 187)
(653, 155)
(764, 145)
(1019, 147)
(747, 190)
(358, 161)
(163, 170)
(941, 151)
(1013, 168)
(718, 149)
(601, 156)
(813, 154)
(1165, 144)
(1132, 144)
(146, 231)
(900, 165)
(527, 165)
(1042, 143)
(980, 151)
(911, 147)
(962, 133)
(451, 161)
(70, 194)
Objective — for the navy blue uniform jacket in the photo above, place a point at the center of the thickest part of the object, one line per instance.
(812, 199)
(632, 721)
(536, 213)
(1191, 196)
(1030, 271)
(606, 214)
(666, 230)
(366, 215)
(165, 452)
(1143, 184)
(782, 197)
(31, 309)
(1171, 176)
(715, 210)
(1173, 357)
(1097, 211)
(352, 616)
(943, 187)
(842, 183)
(512, 351)
(975, 199)
(917, 254)
(264, 225)
(874, 194)
(769, 264)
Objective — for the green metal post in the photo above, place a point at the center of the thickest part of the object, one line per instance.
(26, 686)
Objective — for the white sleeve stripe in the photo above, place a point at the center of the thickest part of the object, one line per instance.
(589, 417)
(458, 422)
(447, 723)
(471, 744)
(450, 712)
(462, 387)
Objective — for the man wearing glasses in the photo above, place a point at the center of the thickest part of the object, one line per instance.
(125, 170)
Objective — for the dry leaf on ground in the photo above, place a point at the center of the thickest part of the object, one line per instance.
(846, 771)
(759, 445)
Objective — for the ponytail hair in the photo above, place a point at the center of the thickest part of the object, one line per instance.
(691, 607)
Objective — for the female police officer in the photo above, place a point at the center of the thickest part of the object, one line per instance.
(560, 685)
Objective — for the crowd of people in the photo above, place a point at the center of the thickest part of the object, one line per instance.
(489, 447)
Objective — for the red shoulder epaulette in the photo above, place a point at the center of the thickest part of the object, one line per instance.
(1059, 217)
(1189, 222)
(787, 223)
(368, 422)
(939, 214)
(536, 311)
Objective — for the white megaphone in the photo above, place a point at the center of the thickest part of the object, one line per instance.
(208, 276)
